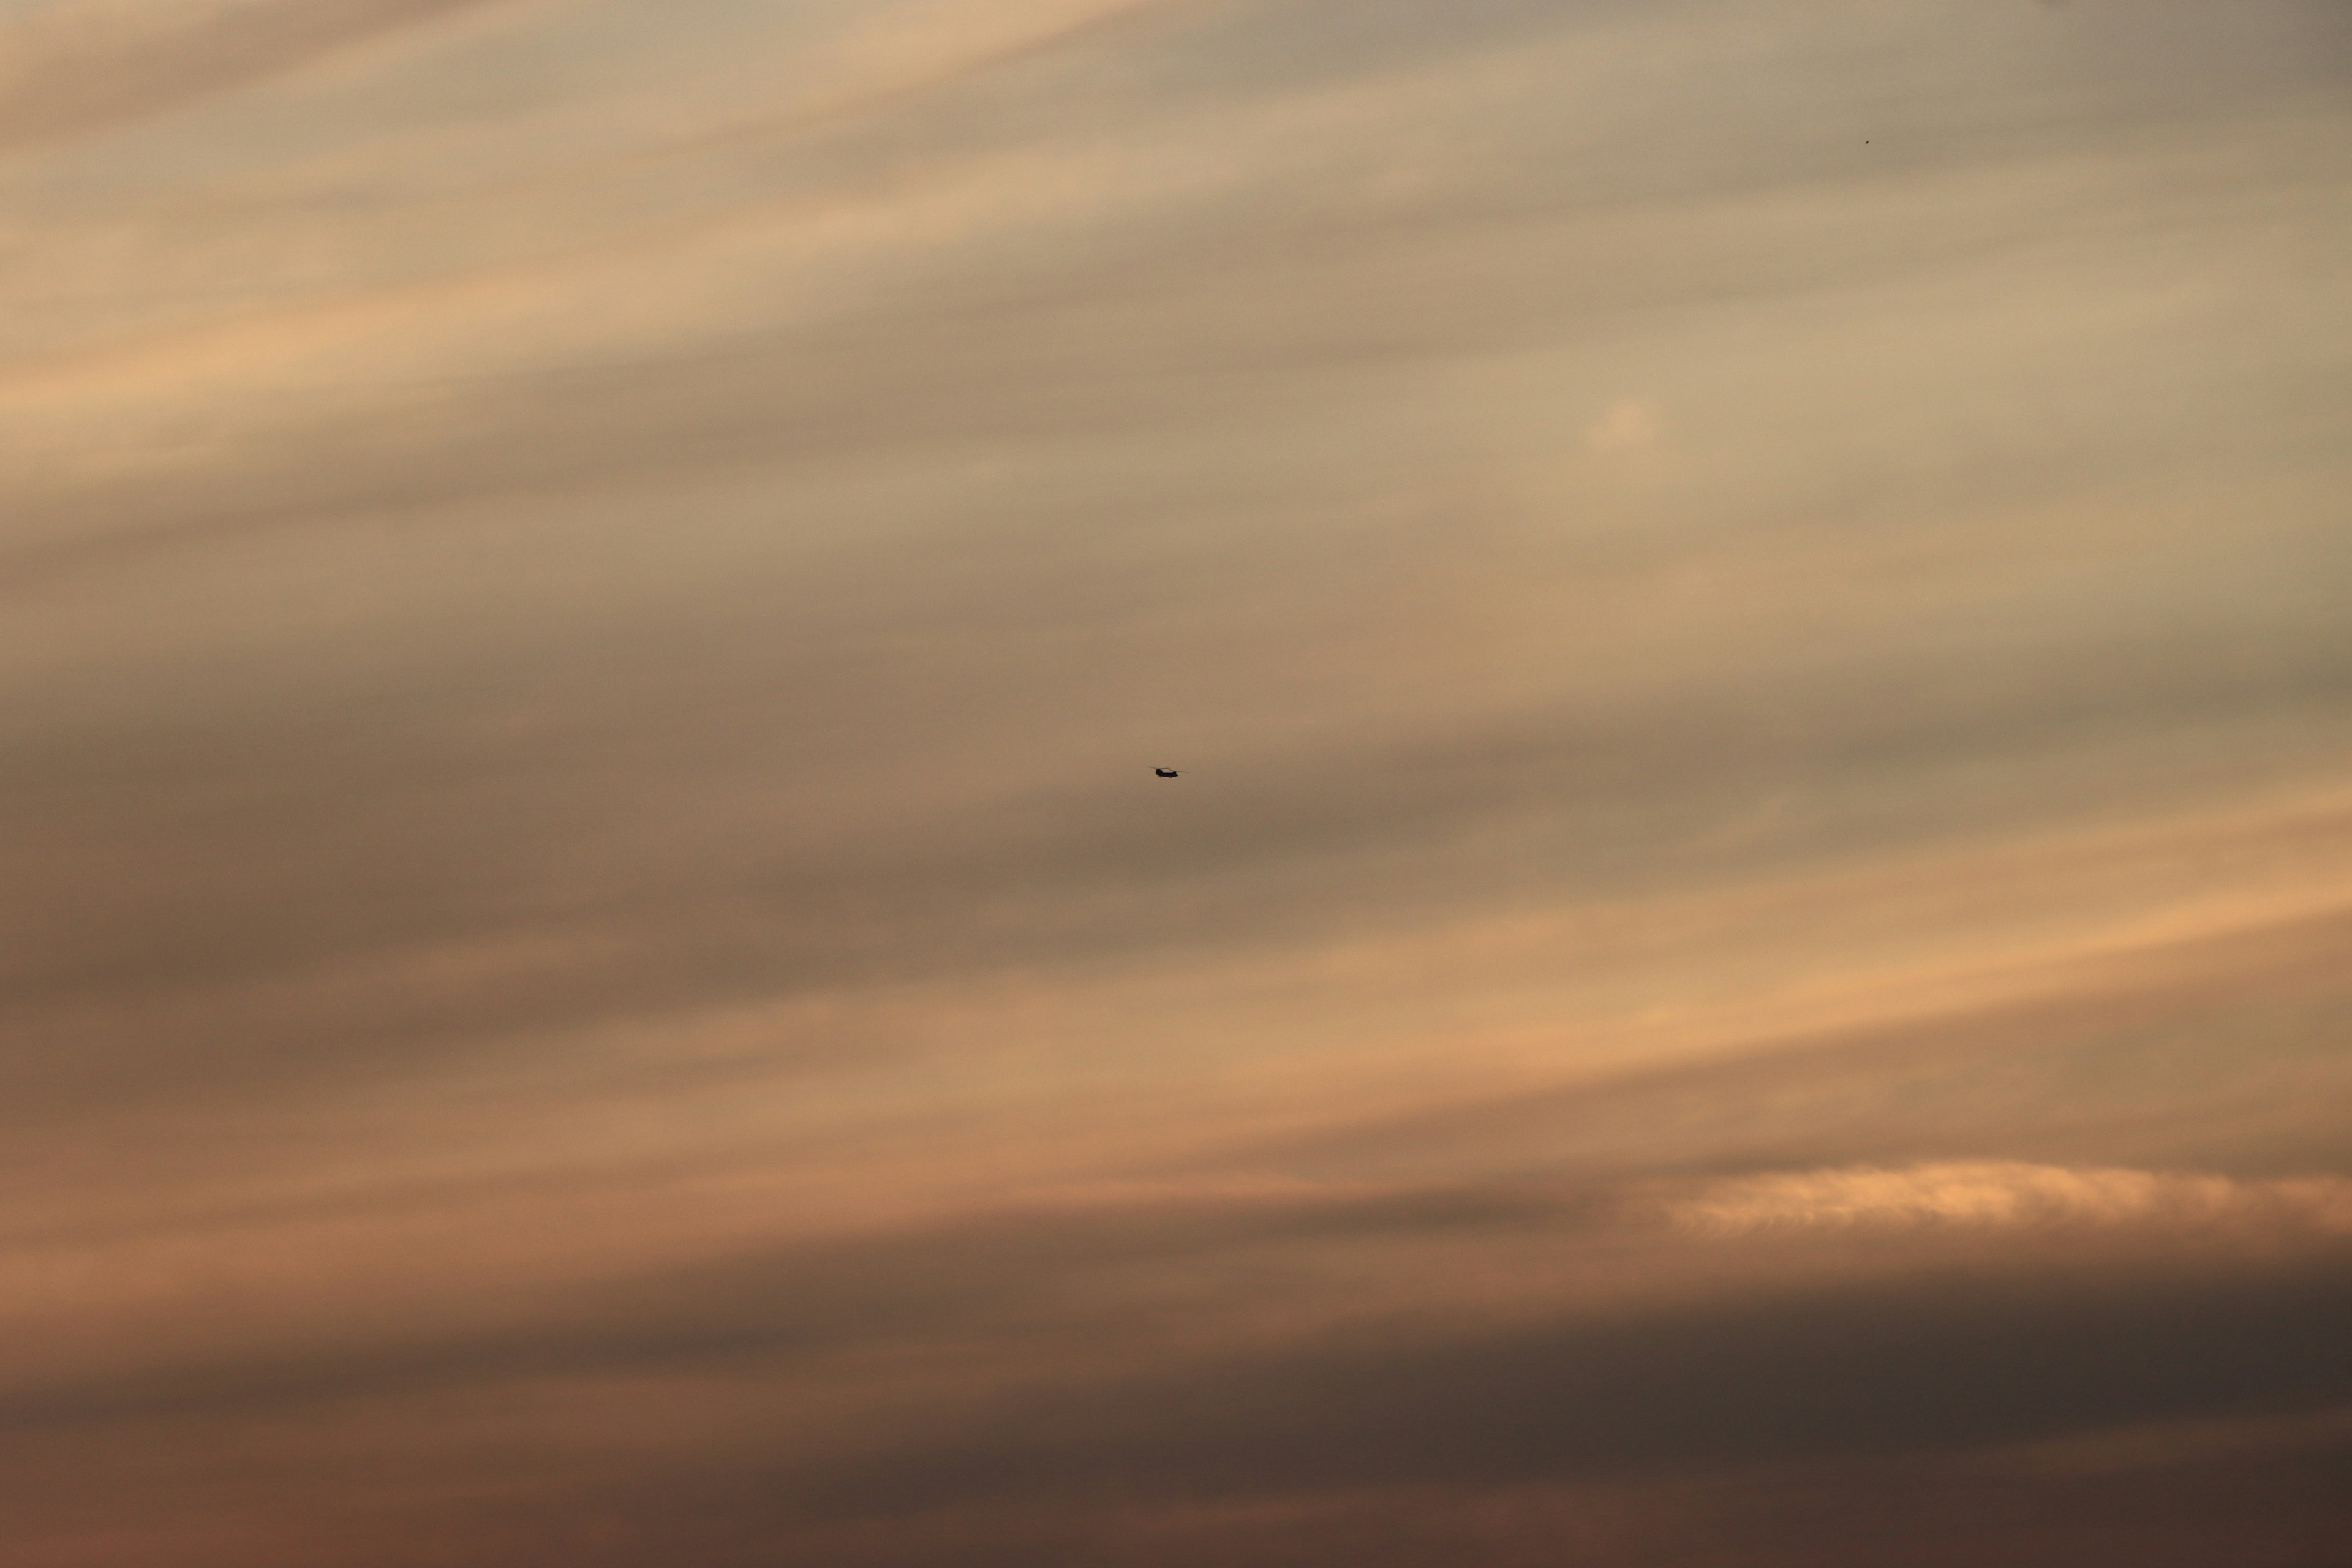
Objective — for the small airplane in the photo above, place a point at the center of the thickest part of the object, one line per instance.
(1165, 772)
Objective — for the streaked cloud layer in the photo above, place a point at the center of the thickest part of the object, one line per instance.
(1747, 965)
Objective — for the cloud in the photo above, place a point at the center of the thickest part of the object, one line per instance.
(1130, 1350)
(1911, 1364)
(587, 931)
(2005, 1194)
(1631, 425)
(88, 64)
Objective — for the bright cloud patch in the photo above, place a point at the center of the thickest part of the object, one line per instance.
(1631, 425)
(2003, 1193)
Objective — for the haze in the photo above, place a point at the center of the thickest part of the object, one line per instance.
(1748, 964)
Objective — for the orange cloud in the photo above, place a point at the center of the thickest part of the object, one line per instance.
(1993, 1193)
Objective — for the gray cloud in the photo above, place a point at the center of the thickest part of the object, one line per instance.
(1948, 1362)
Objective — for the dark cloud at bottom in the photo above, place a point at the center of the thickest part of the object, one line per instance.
(1948, 1363)
(2016, 1396)
(2266, 1509)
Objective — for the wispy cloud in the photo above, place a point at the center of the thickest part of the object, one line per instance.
(86, 65)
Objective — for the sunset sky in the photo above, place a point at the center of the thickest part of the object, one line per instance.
(1751, 965)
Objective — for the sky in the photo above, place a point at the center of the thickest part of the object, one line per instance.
(1747, 967)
